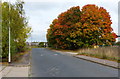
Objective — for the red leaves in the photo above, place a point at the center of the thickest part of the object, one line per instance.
(55, 21)
(114, 35)
(70, 16)
(74, 28)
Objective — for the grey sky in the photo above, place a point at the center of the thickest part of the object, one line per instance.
(41, 13)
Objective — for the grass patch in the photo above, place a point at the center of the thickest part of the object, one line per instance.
(109, 52)
(100, 56)
(17, 56)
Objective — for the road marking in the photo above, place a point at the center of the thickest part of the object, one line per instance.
(41, 55)
(55, 54)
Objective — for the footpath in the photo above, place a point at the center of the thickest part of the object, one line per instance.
(93, 59)
(16, 69)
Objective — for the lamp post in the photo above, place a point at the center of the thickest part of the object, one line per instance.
(9, 55)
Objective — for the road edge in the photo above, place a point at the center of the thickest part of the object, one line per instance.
(77, 56)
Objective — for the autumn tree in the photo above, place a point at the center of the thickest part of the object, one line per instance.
(96, 25)
(61, 28)
(74, 28)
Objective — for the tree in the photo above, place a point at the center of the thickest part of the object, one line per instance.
(61, 28)
(117, 43)
(0, 29)
(96, 23)
(74, 28)
(42, 44)
(13, 16)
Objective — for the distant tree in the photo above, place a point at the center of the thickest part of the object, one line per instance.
(117, 43)
(41, 44)
(75, 29)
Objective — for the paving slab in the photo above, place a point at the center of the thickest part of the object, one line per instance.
(15, 72)
(19, 68)
(0, 70)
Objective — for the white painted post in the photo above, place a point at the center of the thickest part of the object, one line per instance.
(44, 44)
(9, 56)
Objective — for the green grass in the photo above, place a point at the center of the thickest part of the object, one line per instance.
(16, 56)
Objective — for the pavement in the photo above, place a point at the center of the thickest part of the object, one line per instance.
(47, 63)
(11, 71)
(16, 69)
(93, 59)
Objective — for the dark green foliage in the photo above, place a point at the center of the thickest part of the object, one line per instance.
(41, 44)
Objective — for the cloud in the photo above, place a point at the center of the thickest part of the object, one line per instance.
(42, 13)
(41, 6)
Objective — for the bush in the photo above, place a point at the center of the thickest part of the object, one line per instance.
(14, 18)
(41, 44)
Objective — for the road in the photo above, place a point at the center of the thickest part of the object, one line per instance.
(46, 63)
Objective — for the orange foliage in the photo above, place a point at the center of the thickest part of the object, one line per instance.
(74, 28)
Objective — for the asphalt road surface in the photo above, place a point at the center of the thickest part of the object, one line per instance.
(46, 63)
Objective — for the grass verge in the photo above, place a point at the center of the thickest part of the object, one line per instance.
(101, 57)
(109, 53)
(14, 58)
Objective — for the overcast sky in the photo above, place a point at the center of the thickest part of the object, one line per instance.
(41, 13)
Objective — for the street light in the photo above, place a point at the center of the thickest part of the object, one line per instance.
(9, 55)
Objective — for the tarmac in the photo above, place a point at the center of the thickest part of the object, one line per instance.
(22, 68)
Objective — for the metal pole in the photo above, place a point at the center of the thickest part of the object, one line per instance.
(9, 55)
(9, 58)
